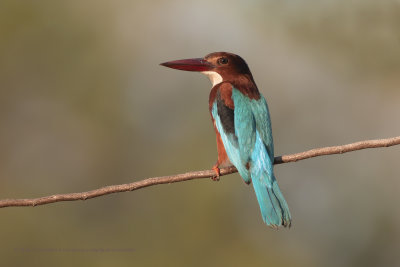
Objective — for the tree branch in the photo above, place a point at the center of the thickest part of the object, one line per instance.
(194, 175)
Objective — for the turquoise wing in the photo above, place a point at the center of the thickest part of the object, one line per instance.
(237, 143)
(263, 123)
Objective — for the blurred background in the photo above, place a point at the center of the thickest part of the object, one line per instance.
(84, 104)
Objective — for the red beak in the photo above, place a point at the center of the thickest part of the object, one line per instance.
(194, 64)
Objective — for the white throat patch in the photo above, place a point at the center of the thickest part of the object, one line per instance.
(214, 77)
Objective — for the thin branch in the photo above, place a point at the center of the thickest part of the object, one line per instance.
(330, 150)
(194, 175)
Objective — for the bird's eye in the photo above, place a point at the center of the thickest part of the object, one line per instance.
(223, 60)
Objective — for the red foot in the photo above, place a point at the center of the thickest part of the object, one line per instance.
(217, 173)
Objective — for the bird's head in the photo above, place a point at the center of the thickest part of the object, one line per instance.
(218, 66)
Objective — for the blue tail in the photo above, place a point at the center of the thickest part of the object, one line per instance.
(274, 208)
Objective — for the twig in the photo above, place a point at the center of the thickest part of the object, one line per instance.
(194, 175)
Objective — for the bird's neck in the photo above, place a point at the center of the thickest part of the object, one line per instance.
(214, 77)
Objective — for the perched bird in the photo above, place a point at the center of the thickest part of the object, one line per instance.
(243, 127)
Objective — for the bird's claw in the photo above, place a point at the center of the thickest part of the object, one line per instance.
(217, 173)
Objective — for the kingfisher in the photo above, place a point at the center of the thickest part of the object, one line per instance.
(242, 124)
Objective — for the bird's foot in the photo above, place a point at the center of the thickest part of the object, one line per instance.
(217, 173)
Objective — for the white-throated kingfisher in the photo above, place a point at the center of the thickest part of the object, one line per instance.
(243, 127)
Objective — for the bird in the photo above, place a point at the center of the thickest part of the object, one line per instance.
(242, 124)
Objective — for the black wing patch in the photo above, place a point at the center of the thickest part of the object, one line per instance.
(226, 115)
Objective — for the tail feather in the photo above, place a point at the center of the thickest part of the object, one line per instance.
(273, 206)
(274, 209)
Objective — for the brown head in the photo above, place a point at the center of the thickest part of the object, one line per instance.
(218, 66)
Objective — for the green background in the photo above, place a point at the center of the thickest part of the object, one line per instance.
(84, 104)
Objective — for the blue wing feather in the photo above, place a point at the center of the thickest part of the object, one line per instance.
(231, 145)
(261, 114)
(245, 125)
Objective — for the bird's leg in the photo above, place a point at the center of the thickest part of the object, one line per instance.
(217, 172)
(222, 156)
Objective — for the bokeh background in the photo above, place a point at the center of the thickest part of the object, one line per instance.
(84, 104)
